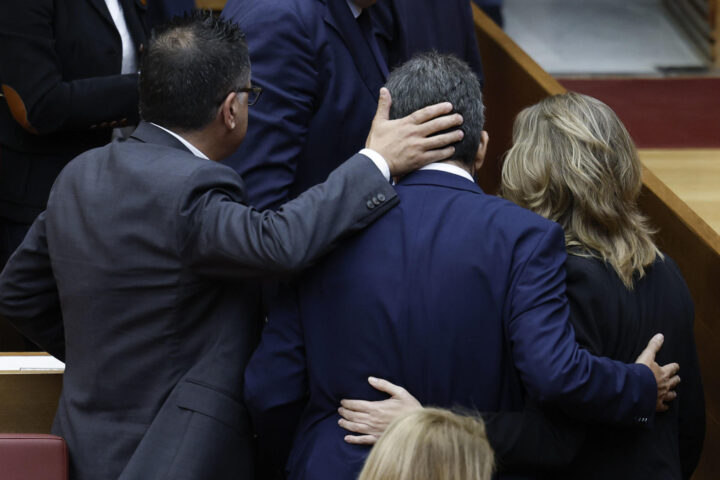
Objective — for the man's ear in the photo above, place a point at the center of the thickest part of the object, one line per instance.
(482, 150)
(228, 111)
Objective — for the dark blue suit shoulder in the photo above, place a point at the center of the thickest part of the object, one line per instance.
(297, 12)
(512, 217)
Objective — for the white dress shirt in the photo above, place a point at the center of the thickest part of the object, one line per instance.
(129, 57)
(449, 168)
(356, 11)
(195, 151)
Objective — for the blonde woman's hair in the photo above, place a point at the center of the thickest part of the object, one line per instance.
(573, 162)
(431, 444)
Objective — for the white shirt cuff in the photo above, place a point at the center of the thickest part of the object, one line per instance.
(378, 160)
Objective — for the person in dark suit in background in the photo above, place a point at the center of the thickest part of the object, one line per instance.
(321, 63)
(140, 273)
(457, 295)
(574, 162)
(408, 27)
(68, 71)
(162, 10)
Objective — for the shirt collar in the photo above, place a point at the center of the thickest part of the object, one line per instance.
(187, 144)
(356, 11)
(449, 168)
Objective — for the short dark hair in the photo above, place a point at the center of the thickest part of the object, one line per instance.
(432, 77)
(191, 64)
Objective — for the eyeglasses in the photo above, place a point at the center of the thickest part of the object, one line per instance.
(253, 93)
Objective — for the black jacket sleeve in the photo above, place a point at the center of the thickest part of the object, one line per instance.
(43, 88)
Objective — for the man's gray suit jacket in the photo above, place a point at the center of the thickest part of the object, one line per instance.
(142, 275)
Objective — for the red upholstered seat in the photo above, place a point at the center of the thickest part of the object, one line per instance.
(33, 456)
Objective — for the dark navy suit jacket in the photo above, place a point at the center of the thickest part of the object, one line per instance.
(321, 80)
(407, 27)
(321, 83)
(456, 295)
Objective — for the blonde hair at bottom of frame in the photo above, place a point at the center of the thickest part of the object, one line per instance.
(431, 444)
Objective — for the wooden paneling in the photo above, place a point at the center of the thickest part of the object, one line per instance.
(514, 81)
(695, 246)
(693, 175)
(216, 5)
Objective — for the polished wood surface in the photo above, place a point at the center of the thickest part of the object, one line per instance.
(695, 246)
(210, 4)
(693, 175)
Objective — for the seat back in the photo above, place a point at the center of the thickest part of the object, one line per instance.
(33, 456)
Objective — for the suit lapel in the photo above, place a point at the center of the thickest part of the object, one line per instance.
(137, 24)
(339, 17)
(390, 32)
(102, 9)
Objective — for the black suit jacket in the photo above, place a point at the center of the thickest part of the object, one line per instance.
(142, 275)
(613, 321)
(60, 63)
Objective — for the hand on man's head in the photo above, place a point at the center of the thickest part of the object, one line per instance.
(407, 143)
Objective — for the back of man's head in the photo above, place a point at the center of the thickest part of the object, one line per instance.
(189, 67)
(432, 77)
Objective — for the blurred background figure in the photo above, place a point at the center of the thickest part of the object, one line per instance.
(431, 444)
(68, 72)
(162, 10)
(321, 64)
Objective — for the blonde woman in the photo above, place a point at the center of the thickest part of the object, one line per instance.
(431, 444)
(573, 162)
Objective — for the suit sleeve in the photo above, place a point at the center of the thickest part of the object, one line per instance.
(551, 364)
(28, 293)
(283, 63)
(224, 238)
(276, 382)
(40, 100)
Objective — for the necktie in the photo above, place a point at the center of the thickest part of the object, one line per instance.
(365, 23)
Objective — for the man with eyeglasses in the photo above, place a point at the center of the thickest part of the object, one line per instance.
(142, 274)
